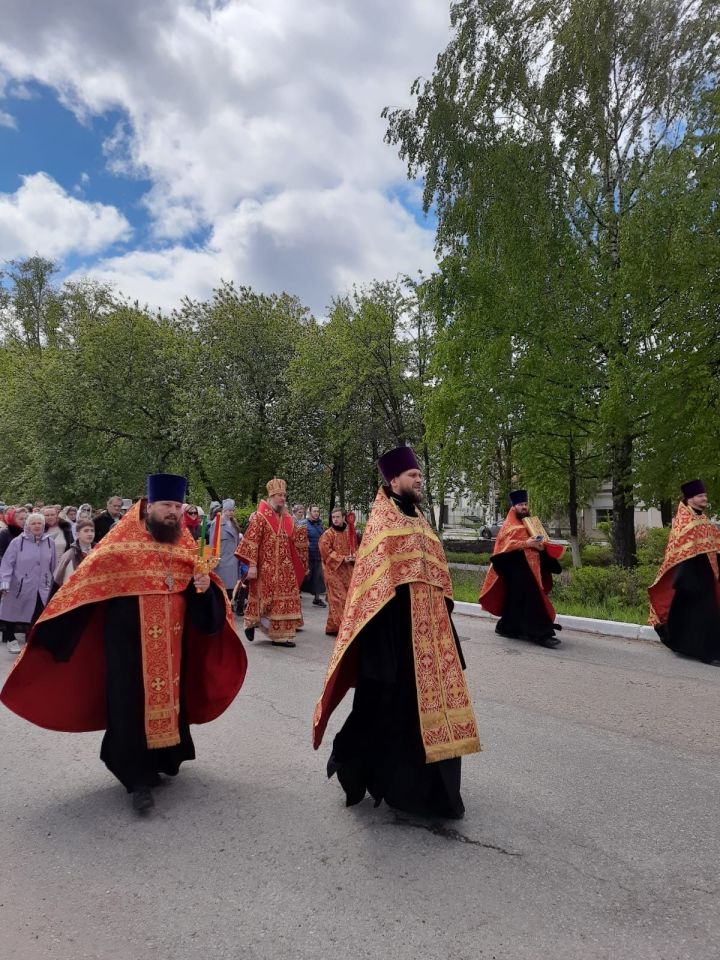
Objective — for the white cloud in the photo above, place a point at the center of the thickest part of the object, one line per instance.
(311, 244)
(40, 217)
(7, 120)
(255, 120)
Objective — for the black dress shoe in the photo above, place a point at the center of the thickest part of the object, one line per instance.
(549, 642)
(142, 800)
(283, 643)
(317, 602)
(250, 633)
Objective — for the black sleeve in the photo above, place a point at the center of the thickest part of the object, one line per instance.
(207, 610)
(549, 564)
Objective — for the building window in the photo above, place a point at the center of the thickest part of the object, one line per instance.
(603, 515)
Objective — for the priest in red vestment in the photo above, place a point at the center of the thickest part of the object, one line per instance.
(275, 549)
(519, 580)
(685, 597)
(137, 643)
(338, 546)
(412, 719)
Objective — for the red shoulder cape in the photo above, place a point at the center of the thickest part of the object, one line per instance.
(690, 536)
(71, 696)
(512, 536)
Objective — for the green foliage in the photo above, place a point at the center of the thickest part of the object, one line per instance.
(652, 545)
(596, 555)
(243, 513)
(480, 559)
(466, 584)
(570, 152)
(587, 586)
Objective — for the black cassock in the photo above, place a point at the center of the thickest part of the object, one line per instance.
(524, 615)
(379, 749)
(693, 624)
(124, 748)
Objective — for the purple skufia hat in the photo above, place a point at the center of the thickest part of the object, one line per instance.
(166, 486)
(518, 496)
(692, 488)
(397, 461)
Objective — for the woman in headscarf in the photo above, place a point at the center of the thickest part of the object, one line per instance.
(69, 515)
(26, 576)
(191, 520)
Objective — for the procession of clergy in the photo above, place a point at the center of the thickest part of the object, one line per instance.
(141, 641)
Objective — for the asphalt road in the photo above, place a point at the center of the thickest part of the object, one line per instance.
(592, 825)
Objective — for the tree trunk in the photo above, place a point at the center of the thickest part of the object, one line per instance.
(623, 526)
(333, 485)
(207, 483)
(428, 491)
(341, 478)
(573, 507)
(666, 512)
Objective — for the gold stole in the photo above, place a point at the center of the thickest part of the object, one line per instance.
(161, 626)
(447, 720)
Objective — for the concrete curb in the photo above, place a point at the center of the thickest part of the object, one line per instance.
(610, 628)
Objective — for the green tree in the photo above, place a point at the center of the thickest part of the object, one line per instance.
(596, 88)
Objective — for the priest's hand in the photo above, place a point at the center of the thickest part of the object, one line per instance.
(202, 582)
(532, 544)
(252, 572)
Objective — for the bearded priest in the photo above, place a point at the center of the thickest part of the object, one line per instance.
(519, 579)
(411, 719)
(136, 643)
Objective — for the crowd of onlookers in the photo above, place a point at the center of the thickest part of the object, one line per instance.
(41, 546)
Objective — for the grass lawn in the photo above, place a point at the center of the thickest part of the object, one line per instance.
(466, 587)
(482, 559)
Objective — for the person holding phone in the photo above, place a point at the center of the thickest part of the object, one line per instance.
(519, 580)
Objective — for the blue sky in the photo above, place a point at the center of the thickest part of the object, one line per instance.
(250, 148)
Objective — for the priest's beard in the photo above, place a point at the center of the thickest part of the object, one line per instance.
(278, 507)
(164, 531)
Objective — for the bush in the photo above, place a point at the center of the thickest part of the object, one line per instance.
(592, 586)
(651, 546)
(242, 514)
(596, 555)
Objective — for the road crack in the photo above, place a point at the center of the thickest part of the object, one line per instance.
(449, 833)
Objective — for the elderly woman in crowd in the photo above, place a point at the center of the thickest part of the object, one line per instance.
(14, 522)
(74, 556)
(26, 576)
(84, 512)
